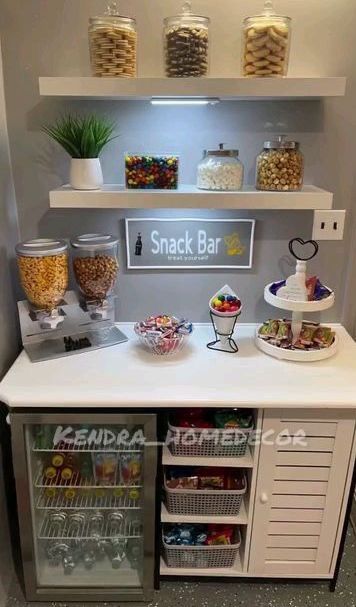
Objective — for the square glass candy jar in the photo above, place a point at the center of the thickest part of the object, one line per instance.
(151, 171)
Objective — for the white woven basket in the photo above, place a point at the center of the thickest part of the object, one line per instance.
(204, 501)
(208, 442)
(203, 557)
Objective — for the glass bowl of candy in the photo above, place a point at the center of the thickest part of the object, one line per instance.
(163, 335)
(151, 171)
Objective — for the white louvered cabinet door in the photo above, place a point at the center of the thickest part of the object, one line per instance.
(300, 492)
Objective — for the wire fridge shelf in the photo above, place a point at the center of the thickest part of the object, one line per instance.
(69, 448)
(51, 531)
(84, 500)
(76, 482)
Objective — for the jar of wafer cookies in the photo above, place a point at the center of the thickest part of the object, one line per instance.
(266, 43)
(113, 44)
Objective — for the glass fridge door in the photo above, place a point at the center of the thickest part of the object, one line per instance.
(91, 489)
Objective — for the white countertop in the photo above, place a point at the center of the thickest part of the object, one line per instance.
(128, 376)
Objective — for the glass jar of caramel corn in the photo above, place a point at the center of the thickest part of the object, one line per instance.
(280, 166)
(113, 44)
(266, 44)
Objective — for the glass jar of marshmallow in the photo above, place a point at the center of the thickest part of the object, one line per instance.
(220, 170)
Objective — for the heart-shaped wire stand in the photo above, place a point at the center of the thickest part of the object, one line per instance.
(303, 243)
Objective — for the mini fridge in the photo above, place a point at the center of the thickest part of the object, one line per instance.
(86, 486)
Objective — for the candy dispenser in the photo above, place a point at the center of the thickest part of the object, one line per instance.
(266, 44)
(186, 44)
(43, 269)
(113, 44)
(95, 265)
(54, 321)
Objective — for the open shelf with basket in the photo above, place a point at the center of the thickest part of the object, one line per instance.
(215, 500)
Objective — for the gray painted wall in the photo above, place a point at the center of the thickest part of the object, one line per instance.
(50, 38)
(8, 315)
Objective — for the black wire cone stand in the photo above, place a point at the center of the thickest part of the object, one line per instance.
(214, 345)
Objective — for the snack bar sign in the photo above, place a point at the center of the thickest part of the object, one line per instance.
(194, 244)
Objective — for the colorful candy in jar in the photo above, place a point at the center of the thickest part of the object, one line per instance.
(226, 303)
(151, 172)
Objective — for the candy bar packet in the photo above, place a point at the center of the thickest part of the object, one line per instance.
(264, 331)
(284, 331)
(220, 535)
(181, 478)
(311, 285)
(306, 335)
(211, 481)
(321, 291)
(324, 337)
(273, 326)
(299, 346)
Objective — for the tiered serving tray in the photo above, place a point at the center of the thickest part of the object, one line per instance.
(298, 308)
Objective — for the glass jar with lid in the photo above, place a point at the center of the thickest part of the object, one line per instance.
(43, 270)
(266, 44)
(186, 44)
(95, 265)
(280, 166)
(220, 170)
(113, 44)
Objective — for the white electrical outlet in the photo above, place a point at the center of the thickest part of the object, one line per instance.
(328, 225)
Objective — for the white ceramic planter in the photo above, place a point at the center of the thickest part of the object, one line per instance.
(86, 174)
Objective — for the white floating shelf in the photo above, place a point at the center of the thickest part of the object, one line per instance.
(298, 306)
(189, 197)
(240, 519)
(226, 89)
(223, 462)
(217, 572)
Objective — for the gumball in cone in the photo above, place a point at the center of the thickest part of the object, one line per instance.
(225, 308)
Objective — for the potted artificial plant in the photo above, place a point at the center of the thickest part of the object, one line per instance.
(84, 139)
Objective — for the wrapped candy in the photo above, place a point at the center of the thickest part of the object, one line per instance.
(163, 334)
(316, 290)
(312, 335)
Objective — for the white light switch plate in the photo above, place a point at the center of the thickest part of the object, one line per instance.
(329, 225)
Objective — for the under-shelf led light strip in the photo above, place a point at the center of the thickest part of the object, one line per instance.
(185, 101)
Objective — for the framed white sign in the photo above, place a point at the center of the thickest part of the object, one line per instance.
(195, 244)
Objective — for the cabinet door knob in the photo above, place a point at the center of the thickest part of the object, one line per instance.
(264, 498)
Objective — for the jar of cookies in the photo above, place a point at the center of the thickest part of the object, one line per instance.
(280, 166)
(113, 44)
(95, 265)
(186, 44)
(43, 270)
(266, 44)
